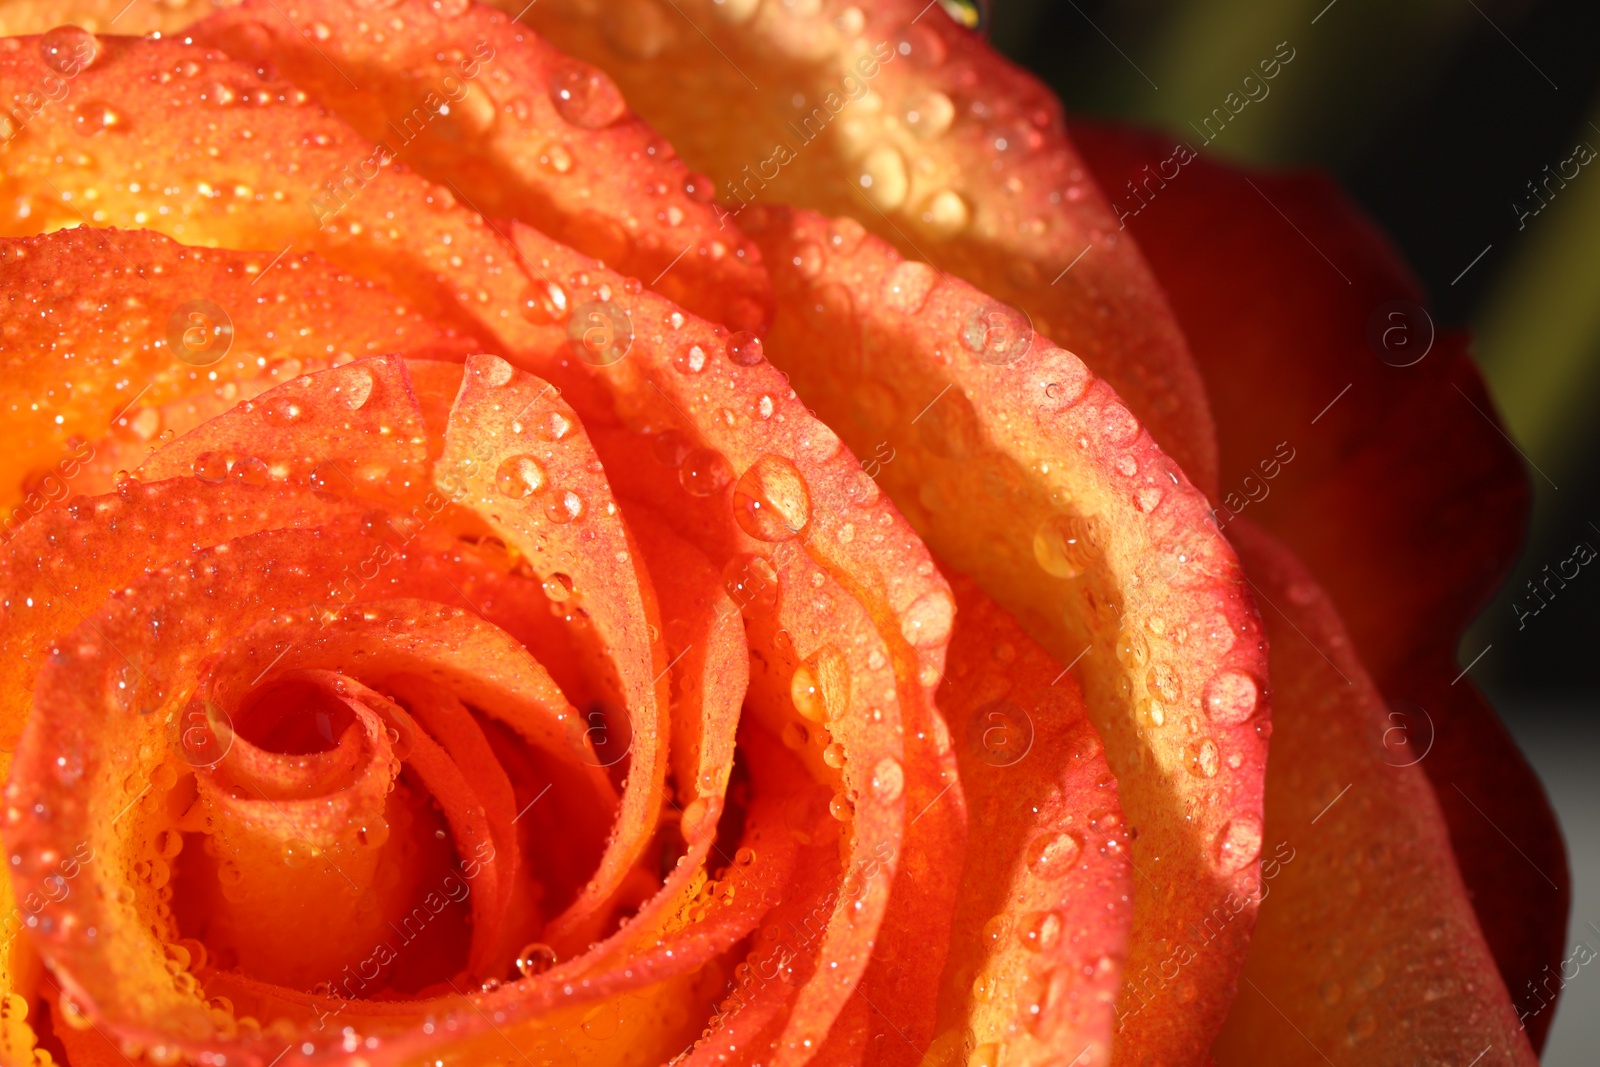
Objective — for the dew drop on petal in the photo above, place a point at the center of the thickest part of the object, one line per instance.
(535, 959)
(518, 476)
(1231, 697)
(771, 501)
(1053, 855)
(585, 96)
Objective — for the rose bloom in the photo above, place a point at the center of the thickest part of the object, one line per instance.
(489, 580)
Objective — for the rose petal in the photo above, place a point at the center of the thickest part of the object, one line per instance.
(1403, 497)
(103, 307)
(891, 113)
(1022, 468)
(498, 122)
(1036, 959)
(532, 490)
(1366, 939)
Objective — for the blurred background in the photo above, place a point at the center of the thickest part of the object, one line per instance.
(1435, 115)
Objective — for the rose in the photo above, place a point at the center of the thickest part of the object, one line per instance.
(838, 921)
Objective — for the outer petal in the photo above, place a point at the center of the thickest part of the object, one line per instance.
(1367, 946)
(1403, 496)
(142, 327)
(1021, 467)
(892, 113)
(513, 127)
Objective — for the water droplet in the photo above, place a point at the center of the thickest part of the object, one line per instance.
(1053, 855)
(833, 755)
(805, 689)
(1363, 1024)
(555, 158)
(535, 959)
(328, 482)
(1231, 697)
(744, 857)
(585, 96)
(566, 507)
(705, 471)
(298, 854)
(751, 582)
(907, 287)
(928, 620)
(771, 501)
(284, 411)
(691, 358)
(558, 587)
(1062, 545)
(355, 385)
(1040, 931)
(554, 426)
(930, 115)
(518, 476)
(744, 348)
(888, 780)
(637, 29)
(449, 9)
(946, 213)
(69, 50)
(251, 471)
(1133, 650)
(883, 177)
(96, 116)
(1202, 757)
(840, 807)
(211, 467)
(997, 333)
(1237, 844)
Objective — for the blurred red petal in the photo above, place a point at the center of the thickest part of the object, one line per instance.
(1404, 497)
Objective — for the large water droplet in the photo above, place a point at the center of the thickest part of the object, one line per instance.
(585, 96)
(771, 501)
(744, 349)
(1052, 855)
(535, 958)
(69, 50)
(928, 620)
(566, 507)
(211, 467)
(907, 286)
(96, 116)
(1237, 844)
(544, 302)
(1062, 545)
(883, 177)
(930, 115)
(997, 333)
(1040, 931)
(518, 476)
(704, 472)
(888, 780)
(1231, 697)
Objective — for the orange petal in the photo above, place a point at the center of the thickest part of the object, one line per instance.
(1036, 959)
(1022, 468)
(1366, 944)
(514, 128)
(892, 113)
(516, 454)
(141, 323)
(1403, 495)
